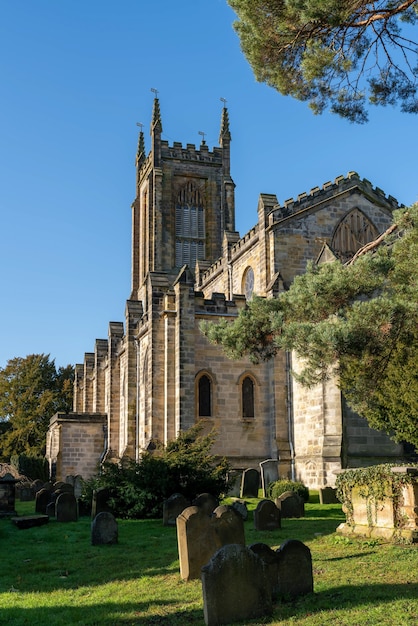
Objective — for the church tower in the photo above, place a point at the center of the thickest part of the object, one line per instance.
(184, 203)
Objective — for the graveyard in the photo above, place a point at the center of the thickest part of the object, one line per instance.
(56, 574)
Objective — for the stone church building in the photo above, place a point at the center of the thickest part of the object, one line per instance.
(156, 374)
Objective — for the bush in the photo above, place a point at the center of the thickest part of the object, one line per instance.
(276, 489)
(185, 465)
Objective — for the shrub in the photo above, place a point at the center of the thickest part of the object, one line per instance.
(185, 465)
(276, 489)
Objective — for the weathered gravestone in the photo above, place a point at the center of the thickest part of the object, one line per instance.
(328, 495)
(207, 502)
(172, 507)
(289, 569)
(7, 495)
(234, 483)
(235, 586)
(104, 529)
(267, 516)
(42, 499)
(250, 483)
(26, 492)
(50, 509)
(200, 536)
(269, 470)
(37, 485)
(291, 504)
(66, 509)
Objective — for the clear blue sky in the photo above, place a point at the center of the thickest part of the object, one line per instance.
(75, 78)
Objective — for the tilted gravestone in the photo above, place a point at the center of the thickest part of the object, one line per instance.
(267, 516)
(172, 507)
(200, 536)
(104, 529)
(66, 509)
(269, 471)
(235, 586)
(291, 504)
(250, 483)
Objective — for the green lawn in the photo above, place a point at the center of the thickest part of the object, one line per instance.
(52, 575)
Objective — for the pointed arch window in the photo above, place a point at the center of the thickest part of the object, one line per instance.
(190, 226)
(351, 234)
(247, 392)
(204, 396)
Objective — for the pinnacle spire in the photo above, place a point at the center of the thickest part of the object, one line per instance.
(140, 153)
(224, 132)
(156, 114)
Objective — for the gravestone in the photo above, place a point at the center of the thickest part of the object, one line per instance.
(50, 509)
(66, 509)
(100, 501)
(7, 495)
(37, 485)
(269, 471)
(42, 499)
(328, 495)
(291, 504)
(235, 587)
(267, 516)
(104, 529)
(172, 507)
(234, 483)
(78, 485)
(250, 483)
(196, 541)
(294, 569)
(207, 502)
(200, 536)
(228, 525)
(26, 492)
(240, 506)
(270, 560)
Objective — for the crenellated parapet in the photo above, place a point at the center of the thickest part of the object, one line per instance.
(317, 195)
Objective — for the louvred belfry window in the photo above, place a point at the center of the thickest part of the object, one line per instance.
(190, 226)
(351, 234)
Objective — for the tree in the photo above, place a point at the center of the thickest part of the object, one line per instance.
(32, 390)
(333, 53)
(358, 321)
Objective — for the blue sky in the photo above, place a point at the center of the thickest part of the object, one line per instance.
(75, 78)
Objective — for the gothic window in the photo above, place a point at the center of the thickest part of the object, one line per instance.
(353, 232)
(248, 283)
(204, 396)
(190, 226)
(247, 391)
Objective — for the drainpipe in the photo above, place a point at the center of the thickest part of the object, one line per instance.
(137, 403)
(289, 403)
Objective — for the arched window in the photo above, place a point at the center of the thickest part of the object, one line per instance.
(248, 283)
(204, 391)
(190, 226)
(351, 234)
(247, 391)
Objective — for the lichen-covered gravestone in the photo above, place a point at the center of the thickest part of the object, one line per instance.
(267, 516)
(291, 504)
(235, 586)
(104, 529)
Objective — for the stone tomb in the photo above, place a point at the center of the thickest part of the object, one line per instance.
(200, 536)
(104, 529)
(267, 516)
(235, 586)
(250, 483)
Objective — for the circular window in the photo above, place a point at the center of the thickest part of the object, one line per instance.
(248, 283)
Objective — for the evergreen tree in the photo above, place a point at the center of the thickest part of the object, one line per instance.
(358, 321)
(333, 53)
(32, 390)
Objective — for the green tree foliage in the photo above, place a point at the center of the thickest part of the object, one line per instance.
(32, 390)
(358, 321)
(185, 465)
(333, 53)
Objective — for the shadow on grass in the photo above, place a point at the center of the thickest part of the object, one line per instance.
(341, 598)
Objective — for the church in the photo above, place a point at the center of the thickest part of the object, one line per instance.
(156, 374)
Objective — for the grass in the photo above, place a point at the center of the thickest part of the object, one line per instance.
(53, 575)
